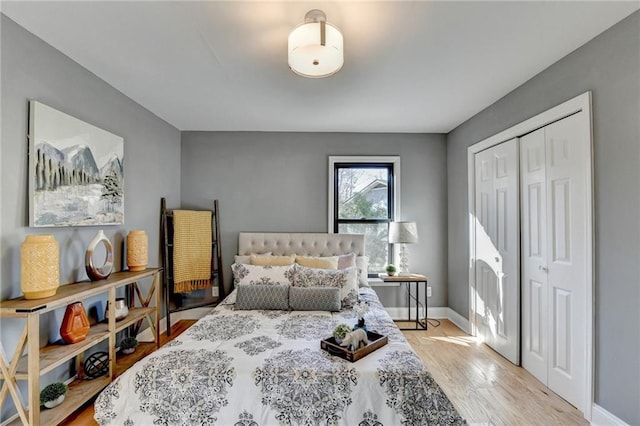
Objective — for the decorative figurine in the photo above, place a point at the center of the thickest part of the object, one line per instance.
(355, 339)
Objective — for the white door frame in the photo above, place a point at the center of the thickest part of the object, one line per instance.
(572, 106)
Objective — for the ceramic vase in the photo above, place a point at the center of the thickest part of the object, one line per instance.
(121, 310)
(39, 266)
(75, 324)
(96, 273)
(137, 254)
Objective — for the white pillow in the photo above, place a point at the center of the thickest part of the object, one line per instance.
(362, 264)
(345, 279)
(262, 275)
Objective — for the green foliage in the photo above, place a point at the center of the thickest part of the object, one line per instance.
(362, 194)
(52, 392)
(390, 268)
(341, 331)
(128, 343)
(360, 206)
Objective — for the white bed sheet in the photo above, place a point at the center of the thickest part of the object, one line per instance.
(254, 368)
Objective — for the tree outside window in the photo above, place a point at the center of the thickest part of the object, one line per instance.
(363, 202)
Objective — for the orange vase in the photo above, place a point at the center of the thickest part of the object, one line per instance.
(75, 325)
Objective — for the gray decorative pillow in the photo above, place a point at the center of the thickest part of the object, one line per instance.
(314, 299)
(268, 297)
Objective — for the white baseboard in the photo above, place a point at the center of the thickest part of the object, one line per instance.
(436, 312)
(461, 322)
(401, 314)
(601, 417)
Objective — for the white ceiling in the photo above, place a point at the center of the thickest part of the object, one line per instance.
(410, 66)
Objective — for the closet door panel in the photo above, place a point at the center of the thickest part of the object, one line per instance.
(485, 276)
(534, 254)
(497, 249)
(566, 177)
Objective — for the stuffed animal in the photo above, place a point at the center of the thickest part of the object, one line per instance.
(355, 339)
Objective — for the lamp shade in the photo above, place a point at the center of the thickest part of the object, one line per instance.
(315, 48)
(403, 232)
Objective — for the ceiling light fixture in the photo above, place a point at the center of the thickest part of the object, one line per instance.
(315, 47)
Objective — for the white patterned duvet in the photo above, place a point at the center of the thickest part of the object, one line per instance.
(255, 368)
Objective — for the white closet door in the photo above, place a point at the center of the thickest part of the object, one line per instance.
(566, 248)
(554, 254)
(497, 249)
(533, 197)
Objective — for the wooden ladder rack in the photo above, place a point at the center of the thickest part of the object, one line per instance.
(176, 302)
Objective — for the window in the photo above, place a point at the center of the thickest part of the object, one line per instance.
(363, 199)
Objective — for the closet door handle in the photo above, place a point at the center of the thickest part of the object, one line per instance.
(543, 269)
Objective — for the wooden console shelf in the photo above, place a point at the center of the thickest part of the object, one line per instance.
(39, 361)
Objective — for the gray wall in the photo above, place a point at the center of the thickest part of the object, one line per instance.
(278, 182)
(32, 69)
(609, 66)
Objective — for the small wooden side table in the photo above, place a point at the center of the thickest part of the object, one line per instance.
(420, 281)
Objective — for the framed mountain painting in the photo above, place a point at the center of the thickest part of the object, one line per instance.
(76, 171)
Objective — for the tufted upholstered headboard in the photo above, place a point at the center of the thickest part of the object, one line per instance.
(301, 243)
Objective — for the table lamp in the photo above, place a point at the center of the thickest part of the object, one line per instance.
(403, 233)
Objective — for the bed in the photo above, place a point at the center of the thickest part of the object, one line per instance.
(249, 367)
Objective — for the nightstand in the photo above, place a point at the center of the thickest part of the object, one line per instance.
(420, 282)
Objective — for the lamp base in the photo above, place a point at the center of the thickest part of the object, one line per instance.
(404, 261)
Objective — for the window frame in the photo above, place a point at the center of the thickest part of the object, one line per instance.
(373, 161)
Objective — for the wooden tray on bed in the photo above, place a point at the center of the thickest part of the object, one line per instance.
(375, 341)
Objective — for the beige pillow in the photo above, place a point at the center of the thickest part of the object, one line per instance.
(246, 259)
(329, 262)
(272, 260)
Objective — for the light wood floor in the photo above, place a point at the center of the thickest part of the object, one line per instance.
(484, 387)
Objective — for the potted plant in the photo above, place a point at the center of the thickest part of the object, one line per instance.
(128, 345)
(391, 269)
(53, 394)
(340, 332)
